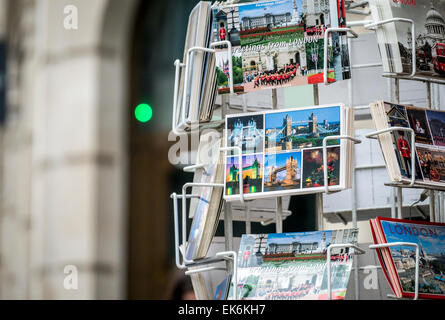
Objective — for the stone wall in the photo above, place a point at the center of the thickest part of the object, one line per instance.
(64, 162)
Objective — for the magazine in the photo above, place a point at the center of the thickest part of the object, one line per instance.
(282, 152)
(399, 262)
(396, 39)
(429, 129)
(279, 43)
(293, 266)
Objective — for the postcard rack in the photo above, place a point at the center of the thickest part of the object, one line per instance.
(185, 264)
(201, 265)
(280, 214)
(184, 123)
(434, 216)
(229, 256)
(437, 213)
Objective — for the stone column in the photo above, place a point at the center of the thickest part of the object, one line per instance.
(65, 155)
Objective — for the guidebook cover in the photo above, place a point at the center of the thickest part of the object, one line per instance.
(431, 240)
(282, 151)
(292, 266)
(429, 40)
(429, 129)
(278, 43)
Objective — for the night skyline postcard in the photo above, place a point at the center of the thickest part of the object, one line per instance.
(246, 132)
(252, 174)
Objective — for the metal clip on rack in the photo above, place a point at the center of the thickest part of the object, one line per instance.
(184, 196)
(328, 260)
(326, 39)
(408, 244)
(226, 255)
(325, 157)
(373, 135)
(193, 168)
(373, 25)
(400, 185)
(221, 256)
(184, 123)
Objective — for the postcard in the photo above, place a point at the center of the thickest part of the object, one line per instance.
(436, 121)
(282, 151)
(277, 44)
(396, 40)
(431, 240)
(313, 167)
(293, 266)
(299, 129)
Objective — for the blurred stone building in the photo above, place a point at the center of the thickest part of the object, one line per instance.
(83, 183)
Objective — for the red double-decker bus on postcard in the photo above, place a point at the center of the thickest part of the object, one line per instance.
(438, 52)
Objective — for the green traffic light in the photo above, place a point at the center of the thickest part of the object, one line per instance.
(143, 113)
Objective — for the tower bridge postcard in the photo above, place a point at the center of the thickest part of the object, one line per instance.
(301, 128)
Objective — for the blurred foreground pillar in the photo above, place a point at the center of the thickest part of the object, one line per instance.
(63, 166)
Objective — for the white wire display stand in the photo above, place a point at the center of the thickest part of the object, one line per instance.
(280, 214)
(398, 186)
(351, 34)
(357, 251)
(184, 125)
(180, 127)
(434, 216)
